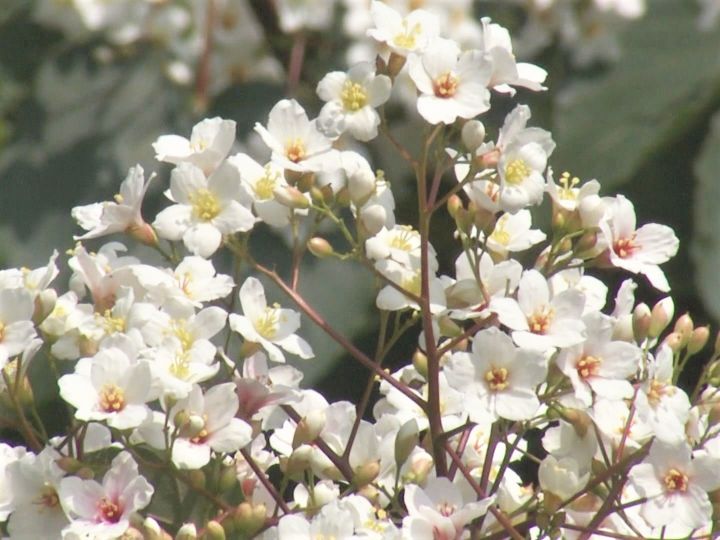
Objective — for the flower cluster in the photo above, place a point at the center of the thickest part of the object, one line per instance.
(186, 413)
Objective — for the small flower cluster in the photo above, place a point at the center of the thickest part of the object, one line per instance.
(186, 417)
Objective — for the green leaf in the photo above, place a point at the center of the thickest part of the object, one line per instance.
(609, 126)
(705, 250)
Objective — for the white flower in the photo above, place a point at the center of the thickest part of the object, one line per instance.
(209, 144)
(352, 98)
(541, 320)
(514, 232)
(638, 251)
(260, 183)
(8, 456)
(452, 84)
(206, 209)
(103, 510)
(676, 485)
(295, 15)
(599, 363)
(295, 141)
(567, 195)
(408, 279)
(403, 35)
(332, 523)
(270, 326)
(439, 510)
(123, 215)
(496, 377)
(563, 477)
(109, 387)
(16, 327)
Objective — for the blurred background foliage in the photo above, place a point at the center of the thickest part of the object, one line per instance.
(73, 119)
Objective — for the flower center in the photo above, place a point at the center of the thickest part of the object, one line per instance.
(497, 379)
(657, 390)
(110, 511)
(353, 96)
(446, 509)
(48, 497)
(202, 435)
(516, 171)
(539, 322)
(267, 324)
(295, 150)
(112, 398)
(402, 240)
(445, 85)
(624, 247)
(500, 234)
(588, 366)
(676, 481)
(111, 324)
(205, 205)
(199, 145)
(413, 283)
(183, 334)
(265, 186)
(407, 37)
(180, 366)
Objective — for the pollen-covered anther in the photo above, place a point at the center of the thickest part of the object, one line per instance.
(539, 322)
(624, 247)
(676, 481)
(445, 85)
(446, 509)
(48, 497)
(265, 186)
(112, 398)
(516, 171)
(295, 150)
(407, 39)
(353, 96)
(109, 511)
(205, 205)
(588, 366)
(497, 378)
(658, 390)
(267, 324)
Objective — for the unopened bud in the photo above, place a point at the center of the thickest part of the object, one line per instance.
(299, 461)
(228, 478)
(308, 428)
(306, 182)
(68, 464)
(698, 339)
(320, 247)
(714, 414)
(86, 473)
(365, 474)
(641, 322)
(395, 64)
(196, 478)
(373, 217)
(248, 348)
(587, 244)
(473, 134)
(405, 442)
(181, 419)
(290, 197)
(661, 315)
(419, 361)
(187, 532)
(152, 530)
(88, 347)
(143, 233)
(343, 197)
(449, 328)
(361, 184)
(674, 341)
(579, 420)
(420, 466)
(249, 519)
(454, 205)
(214, 531)
(684, 326)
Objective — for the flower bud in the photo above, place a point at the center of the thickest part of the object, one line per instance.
(187, 532)
(361, 184)
(373, 218)
(343, 197)
(420, 466)
(473, 134)
(143, 233)
(454, 205)
(306, 182)
(698, 339)
(86, 473)
(299, 461)
(181, 419)
(684, 326)
(660, 317)
(641, 322)
(152, 530)
(290, 197)
(196, 478)
(365, 474)
(579, 420)
(395, 64)
(448, 327)
(309, 428)
(249, 519)
(228, 478)
(68, 464)
(674, 341)
(406, 440)
(320, 247)
(214, 531)
(419, 361)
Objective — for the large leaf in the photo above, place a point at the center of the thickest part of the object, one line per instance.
(706, 239)
(608, 127)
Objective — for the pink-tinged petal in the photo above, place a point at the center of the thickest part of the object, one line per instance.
(415, 498)
(202, 239)
(221, 404)
(235, 435)
(623, 218)
(80, 497)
